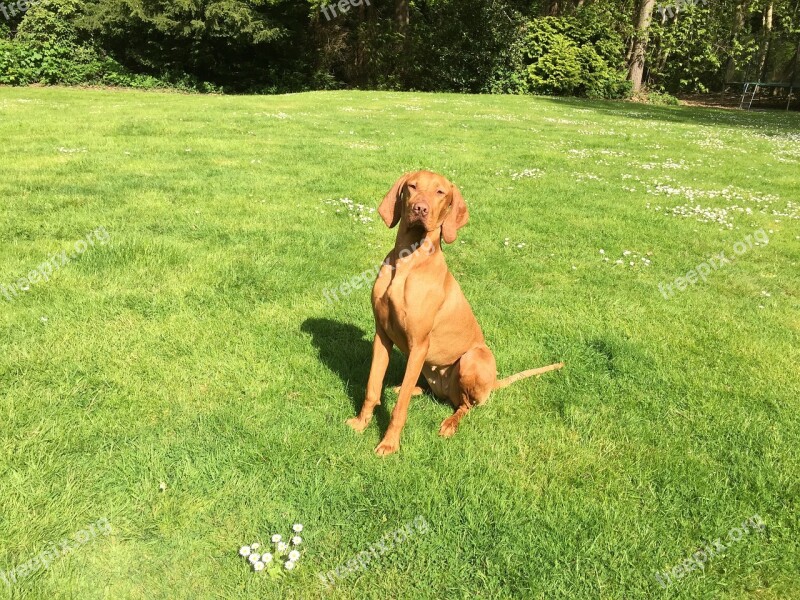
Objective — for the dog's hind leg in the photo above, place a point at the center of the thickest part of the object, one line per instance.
(477, 373)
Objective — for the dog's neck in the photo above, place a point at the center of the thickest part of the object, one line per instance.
(413, 241)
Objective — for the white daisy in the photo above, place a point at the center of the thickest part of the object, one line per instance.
(254, 558)
(282, 546)
(276, 538)
(255, 546)
(259, 566)
(266, 558)
(289, 565)
(244, 551)
(294, 555)
(297, 540)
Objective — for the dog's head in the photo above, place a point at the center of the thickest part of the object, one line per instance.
(426, 201)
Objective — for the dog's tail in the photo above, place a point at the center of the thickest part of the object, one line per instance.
(525, 374)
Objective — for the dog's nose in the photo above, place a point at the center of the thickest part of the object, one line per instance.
(420, 209)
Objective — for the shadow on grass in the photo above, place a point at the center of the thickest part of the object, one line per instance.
(347, 351)
(693, 115)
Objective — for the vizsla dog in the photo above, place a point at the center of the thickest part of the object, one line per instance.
(420, 308)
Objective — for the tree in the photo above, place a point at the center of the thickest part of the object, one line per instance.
(767, 27)
(639, 47)
(742, 8)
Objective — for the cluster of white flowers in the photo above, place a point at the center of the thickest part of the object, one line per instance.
(710, 142)
(281, 556)
(508, 242)
(491, 117)
(785, 145)
(625, 133)
(792, 211)
(667, 164)
(728, 193)
(364, 145)
(590, 152)
(788, 156)
(630, 258)
(279, 115)
(564, 121)
(584, 176)
(721, 215)
(527, 173)
(358, 212)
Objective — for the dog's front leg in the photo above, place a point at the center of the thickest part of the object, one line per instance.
(416, 360)
(381, 348)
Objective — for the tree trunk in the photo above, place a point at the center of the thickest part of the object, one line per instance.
(401, 17)
(402, 27)
(762, 59)
(738, 24)
(636, 66)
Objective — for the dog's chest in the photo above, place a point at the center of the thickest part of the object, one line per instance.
(391, 309)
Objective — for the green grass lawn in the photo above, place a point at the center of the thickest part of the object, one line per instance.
(193, 346)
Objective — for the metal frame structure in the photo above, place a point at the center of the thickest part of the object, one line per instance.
(760, 84)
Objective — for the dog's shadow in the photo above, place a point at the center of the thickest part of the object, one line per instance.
(347, 351)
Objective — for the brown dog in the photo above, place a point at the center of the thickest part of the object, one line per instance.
(420, 308)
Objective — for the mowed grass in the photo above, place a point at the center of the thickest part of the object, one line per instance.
(196, 347)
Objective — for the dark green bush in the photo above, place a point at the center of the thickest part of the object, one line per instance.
(564, 56)
(661, 99)
(680, 58)
(50, 48)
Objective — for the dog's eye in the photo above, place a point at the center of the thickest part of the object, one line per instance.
(440, 192)
(412, 186)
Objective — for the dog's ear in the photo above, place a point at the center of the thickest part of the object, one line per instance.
(456, 218)
(390, 209)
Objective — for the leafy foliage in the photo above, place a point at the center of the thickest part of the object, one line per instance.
(51, 48)
(682, 58)
(565, 56)
(569, 47)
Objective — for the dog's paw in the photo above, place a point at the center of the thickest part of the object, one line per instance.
(385, 448)
(448, 428)
(357, 424)
(416, 391)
